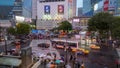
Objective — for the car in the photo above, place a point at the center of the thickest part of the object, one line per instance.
(93, 46)
(1, 39)
(83, 51)
(44, 45)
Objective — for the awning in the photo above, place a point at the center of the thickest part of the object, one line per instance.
(10, 61)
(5, 23)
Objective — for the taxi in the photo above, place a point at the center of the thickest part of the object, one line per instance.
(93, 46)
(83, 51)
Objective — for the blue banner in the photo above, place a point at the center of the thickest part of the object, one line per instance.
(47, 9)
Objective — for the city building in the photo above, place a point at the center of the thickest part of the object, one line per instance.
(9, 9)
(80, 23)
(34, 9)
(87, 8)
(118, 8)
(51, 12)
(6, 7)
(27, 8)
(17, 8)
(110, 6)
(23, 8)
(98, 7)
(80, 11)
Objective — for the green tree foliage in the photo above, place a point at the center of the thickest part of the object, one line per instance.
(65, 25)
(101, 22)
(116, 27)
(23, 28)
(11, 30)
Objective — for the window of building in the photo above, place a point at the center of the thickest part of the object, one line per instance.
(41, 1)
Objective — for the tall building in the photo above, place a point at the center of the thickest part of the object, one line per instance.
(17, 8)
(51, 12)
(34, 9)
(23, 8)
(27, 8)
(98, 7)
(110, 6)
(118, 8)
(9, 9)
(87, 8)
(5, 8)
(80, 11)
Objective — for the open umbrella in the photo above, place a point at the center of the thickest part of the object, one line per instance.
(48, 57)
(57, 61)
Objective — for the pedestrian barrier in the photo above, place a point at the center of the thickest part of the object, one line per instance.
(36, 65)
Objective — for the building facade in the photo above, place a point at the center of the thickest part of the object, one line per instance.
(34, 9)
(51, 12)
(27, 8)
(117, 8)
(87, 8)
(80, 23)
(80, 11)
(17, 8)
(6, 7)
(9, 9)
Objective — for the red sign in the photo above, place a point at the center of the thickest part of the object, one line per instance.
(60, 9)
(106, 5)
(70, 1)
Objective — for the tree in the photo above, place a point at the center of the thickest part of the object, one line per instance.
(65, 25)
(116, 27)
(11, 30)
(23, 28)
(101, 23)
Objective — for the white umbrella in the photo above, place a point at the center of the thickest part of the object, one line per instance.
(48, 57)
(42, 55)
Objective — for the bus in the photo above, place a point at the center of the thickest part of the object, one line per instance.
(61, 43)
(75, 45)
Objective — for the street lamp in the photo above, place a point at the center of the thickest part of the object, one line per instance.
(65, 49)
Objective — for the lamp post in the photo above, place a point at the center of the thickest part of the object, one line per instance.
(65, 49)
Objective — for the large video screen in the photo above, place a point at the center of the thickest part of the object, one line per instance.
(47, 9)
(60, 9)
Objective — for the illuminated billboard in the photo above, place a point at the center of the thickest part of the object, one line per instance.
(47, 9)
(60, 9)
(106, 4)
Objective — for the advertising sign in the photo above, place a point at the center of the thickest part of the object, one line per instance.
(112, 4)
(106, 5)
(60, 9)
(76, 20)
(47, 9)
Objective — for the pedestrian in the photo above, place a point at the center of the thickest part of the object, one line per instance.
(77, 64)
(71, 57)
(67, 66)
(82, 65)
(74, 59)
(62, 58)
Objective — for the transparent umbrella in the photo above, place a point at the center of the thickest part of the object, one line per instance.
(48, 57)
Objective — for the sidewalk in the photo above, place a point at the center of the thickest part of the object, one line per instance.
(3, 43)
(39, 52)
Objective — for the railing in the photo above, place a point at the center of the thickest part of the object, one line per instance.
(36, 65)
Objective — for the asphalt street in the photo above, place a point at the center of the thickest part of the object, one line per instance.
(95, 59)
